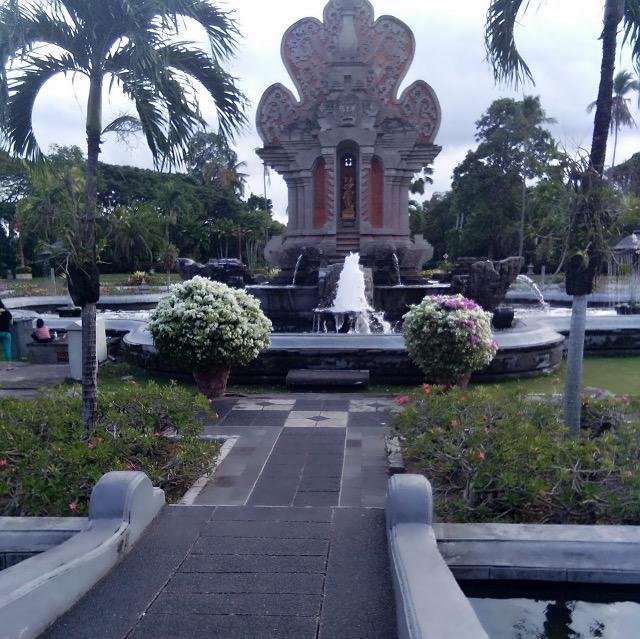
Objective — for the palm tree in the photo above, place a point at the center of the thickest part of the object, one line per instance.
(623, 84)
(586, 231)
(136, 45)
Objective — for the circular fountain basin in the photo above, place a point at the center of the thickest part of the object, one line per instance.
(529, 349)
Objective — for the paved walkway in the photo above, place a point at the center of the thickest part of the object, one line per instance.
(24, 380)
(286, 542)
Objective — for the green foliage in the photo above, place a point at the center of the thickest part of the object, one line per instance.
(46, 469)
(448, 337)
(498, 457)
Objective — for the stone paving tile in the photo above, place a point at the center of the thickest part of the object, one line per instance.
(267, 547)
(183, 626)
(258, 513)
(238, 564)
(358, 556)
(255, 604)
(267, 529)
(252, 582)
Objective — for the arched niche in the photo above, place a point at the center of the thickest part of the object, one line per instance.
(349, 181)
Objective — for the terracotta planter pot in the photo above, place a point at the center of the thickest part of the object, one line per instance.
(212, 383)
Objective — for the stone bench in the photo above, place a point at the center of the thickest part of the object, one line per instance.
(56, 352)
(309, 378)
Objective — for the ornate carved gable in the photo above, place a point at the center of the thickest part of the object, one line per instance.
(347, 70)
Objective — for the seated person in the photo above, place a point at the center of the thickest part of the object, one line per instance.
(41, 335)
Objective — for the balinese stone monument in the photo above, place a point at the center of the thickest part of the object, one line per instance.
(349, 148)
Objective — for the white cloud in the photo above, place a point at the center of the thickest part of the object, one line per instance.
(559, 41)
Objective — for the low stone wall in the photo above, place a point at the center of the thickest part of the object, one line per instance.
(35, 592)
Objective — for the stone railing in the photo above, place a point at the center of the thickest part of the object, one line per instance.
(429, 602)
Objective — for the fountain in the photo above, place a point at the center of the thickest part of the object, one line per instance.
(351, 310)
(296, 269)
(526, 281)
(396, 266)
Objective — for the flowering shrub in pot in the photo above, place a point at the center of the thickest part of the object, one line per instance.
(209, 327)
(448, 338)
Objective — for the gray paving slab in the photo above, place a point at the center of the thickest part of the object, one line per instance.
(358, 556)
(267, 529)
(183, 626)
(113, 607)
(263, 583)
(254, 563)
(29, 377)
(266, 547)
(255, 604)
(258, 513)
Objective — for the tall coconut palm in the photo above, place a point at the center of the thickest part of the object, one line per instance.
(136, 45)
(623, 84)
(509, 66)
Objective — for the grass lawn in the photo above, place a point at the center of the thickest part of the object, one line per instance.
(43, 285)
(620, 375)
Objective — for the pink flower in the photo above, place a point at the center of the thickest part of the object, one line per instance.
(473, 338)
(455, 423)
(486, 430)
(157, 434)
(73, 505)
(90, 446)
(520, 413)
(427, 389)
(3, 462)
(405, 399)
(480, 455)
(130, 466)
(627, 473)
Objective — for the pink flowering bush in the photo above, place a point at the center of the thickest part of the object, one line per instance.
(494, 455)
(448, 337)
(46, 469)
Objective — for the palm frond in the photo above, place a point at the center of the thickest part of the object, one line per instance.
(220, 25)
(123, 126)
(502, 53)
(631, 26)
(229, 100)
(22, 91)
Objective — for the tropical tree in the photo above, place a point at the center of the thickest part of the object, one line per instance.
(136, 46)
(587, 235)
(623, 84)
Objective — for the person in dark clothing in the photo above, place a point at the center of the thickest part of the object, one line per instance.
(5, 331)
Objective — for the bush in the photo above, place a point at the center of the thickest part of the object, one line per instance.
(46, 469)
(23, 270)
(205, 324)
(496, 457)
(448, 337)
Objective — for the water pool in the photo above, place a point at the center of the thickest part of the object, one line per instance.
(558, 611)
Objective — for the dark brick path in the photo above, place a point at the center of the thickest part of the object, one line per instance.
(287, 541)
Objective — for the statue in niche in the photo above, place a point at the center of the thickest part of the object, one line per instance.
(348, 199)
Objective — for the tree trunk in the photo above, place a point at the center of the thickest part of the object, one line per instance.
(613, 14)
(522, 215)
(615, 146)
(573, 384)
(88, 257)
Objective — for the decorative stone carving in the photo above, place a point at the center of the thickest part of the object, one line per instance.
(347, 70)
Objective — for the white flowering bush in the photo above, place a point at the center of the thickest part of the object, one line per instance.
(205, 325)
(448, 337)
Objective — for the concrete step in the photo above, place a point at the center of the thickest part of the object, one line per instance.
(320, 379)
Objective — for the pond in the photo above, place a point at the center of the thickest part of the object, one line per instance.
(556, 611)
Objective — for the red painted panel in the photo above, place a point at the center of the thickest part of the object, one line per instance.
(320, 213)
(377, 194)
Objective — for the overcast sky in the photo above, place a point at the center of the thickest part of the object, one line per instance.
(558, 39)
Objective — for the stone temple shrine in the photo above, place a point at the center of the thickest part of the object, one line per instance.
(350, 146)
